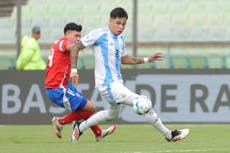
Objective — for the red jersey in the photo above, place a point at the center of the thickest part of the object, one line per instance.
(58, 65)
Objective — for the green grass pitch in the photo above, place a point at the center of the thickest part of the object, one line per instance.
(134, 138)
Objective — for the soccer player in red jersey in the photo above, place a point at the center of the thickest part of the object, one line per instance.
(64, 93)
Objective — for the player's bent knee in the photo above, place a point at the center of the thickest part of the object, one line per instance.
(112, 114)
(110, 118)
(90, 107)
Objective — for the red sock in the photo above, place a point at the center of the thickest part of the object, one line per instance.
(74, 116)
(96, 130)
(78, 115)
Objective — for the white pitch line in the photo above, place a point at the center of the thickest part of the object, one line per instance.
(186, 150)
(169, 151)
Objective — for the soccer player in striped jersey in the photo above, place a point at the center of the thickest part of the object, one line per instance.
(109, 52)
(61, 91)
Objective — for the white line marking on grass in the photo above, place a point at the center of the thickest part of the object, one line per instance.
(169, 151)
(178, 151)
(186, 150)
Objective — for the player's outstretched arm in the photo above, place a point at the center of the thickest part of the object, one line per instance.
(155, 57)
(128, 59)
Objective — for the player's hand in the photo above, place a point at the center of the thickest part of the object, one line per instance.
(74, 78)
(155, 57)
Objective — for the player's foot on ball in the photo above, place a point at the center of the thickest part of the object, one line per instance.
(57, 127)
(106, 132)
(76, 132)
(178, 135)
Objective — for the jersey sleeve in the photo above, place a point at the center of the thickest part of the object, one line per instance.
(62, 44)
(92, 37)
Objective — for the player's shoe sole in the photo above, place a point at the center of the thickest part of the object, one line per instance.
(106, 132)
(178, 135)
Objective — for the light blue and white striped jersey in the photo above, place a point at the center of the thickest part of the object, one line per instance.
(108, 49)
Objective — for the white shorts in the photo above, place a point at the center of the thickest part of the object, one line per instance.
(117, 93)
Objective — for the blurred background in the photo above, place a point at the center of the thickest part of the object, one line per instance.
(192, 34)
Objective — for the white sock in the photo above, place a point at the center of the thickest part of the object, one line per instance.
(97, 118)
(154, 120)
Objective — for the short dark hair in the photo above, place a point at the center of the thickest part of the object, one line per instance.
(72, 26)
(118, 12)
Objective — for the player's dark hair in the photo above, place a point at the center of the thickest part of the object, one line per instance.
(72, 26)
(118, 12)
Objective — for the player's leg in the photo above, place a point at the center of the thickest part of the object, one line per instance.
(98, 118)
(127, 97)
(82, 108)
(99, 137)
(55, 95)
(85, 106)
(59, 122)
(111, 95)
(154, 120)
(74, 102)
(99, 134)
(150, 117)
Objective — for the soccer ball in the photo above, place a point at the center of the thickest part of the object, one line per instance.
(142, 105)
